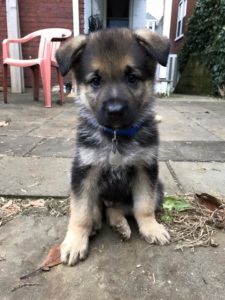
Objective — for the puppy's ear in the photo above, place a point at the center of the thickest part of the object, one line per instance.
(69, 53)
(156, 45)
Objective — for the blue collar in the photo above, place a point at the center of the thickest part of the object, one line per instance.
(129, 132)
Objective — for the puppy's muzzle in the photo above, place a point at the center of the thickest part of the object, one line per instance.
(116, 113)
(115, 109)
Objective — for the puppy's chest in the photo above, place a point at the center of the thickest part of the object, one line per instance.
(103, 156)
(115, 185)
(98, 149)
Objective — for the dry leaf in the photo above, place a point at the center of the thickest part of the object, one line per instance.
(52, 259)
(10, 208)
(4, 123)
(35, 203)
(208, 201)
(9, 203)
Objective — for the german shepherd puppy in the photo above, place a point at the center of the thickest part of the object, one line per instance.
(116, 154)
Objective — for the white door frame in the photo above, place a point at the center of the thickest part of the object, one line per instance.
(76, 17)
(131, 13)
(13, 31)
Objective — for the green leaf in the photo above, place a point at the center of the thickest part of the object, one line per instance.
(173, 203)
(166, 218)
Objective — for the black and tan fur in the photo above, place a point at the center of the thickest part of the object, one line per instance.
(115, 72)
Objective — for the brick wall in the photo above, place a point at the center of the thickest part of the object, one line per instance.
(81, 12)
(3, 32)
(177, 45)
(35, 15)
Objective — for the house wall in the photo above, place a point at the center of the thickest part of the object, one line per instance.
(35, 15)
(81, 15)
(3, 32)
(177, 45)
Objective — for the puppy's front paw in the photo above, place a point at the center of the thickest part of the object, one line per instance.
(155, 233)
(74, 248)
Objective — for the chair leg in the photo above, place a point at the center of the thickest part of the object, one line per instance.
(35, 71)
(60, 81)
(46, 82)
(5, 79)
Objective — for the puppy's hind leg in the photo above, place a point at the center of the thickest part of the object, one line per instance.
(97, 218)
(118, 222)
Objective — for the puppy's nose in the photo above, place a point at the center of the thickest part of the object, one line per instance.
(115, 109)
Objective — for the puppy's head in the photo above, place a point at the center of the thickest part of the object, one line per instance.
(115, 69)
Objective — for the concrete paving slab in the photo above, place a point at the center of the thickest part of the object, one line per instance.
(114, 270)
(189, 106)
(26, 99)
(66, 117)
(33, 176)
(27, 113)
(55, 147)
(184, 131)
(192, 151)
(19, 128)
(201, 177)
(54, 129)
(190, 98)
(170, 186)
(17, 145)
(215, 126)
(214, 107)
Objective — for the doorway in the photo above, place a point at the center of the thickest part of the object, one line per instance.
(118, 13)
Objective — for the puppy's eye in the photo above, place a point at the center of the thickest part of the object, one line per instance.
(96, 81)
(132, 79)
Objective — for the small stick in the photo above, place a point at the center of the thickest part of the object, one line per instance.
(30, 273)
(2, 258)
(153, 277)
(24, 284)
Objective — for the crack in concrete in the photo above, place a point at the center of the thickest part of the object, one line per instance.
(174, 176)
(27, 154)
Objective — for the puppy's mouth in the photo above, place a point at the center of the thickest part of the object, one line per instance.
(116, 124)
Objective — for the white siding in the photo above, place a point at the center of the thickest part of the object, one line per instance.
(94, 7)
(166, 32)
(76, 23)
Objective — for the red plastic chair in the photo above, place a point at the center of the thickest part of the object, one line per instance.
(50, 40)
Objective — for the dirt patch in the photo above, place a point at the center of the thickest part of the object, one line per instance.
(10, 207)
(191, 221)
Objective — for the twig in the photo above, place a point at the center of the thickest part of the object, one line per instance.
(2, 258)
(23, 285)
(153, 277)
(30, 273)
